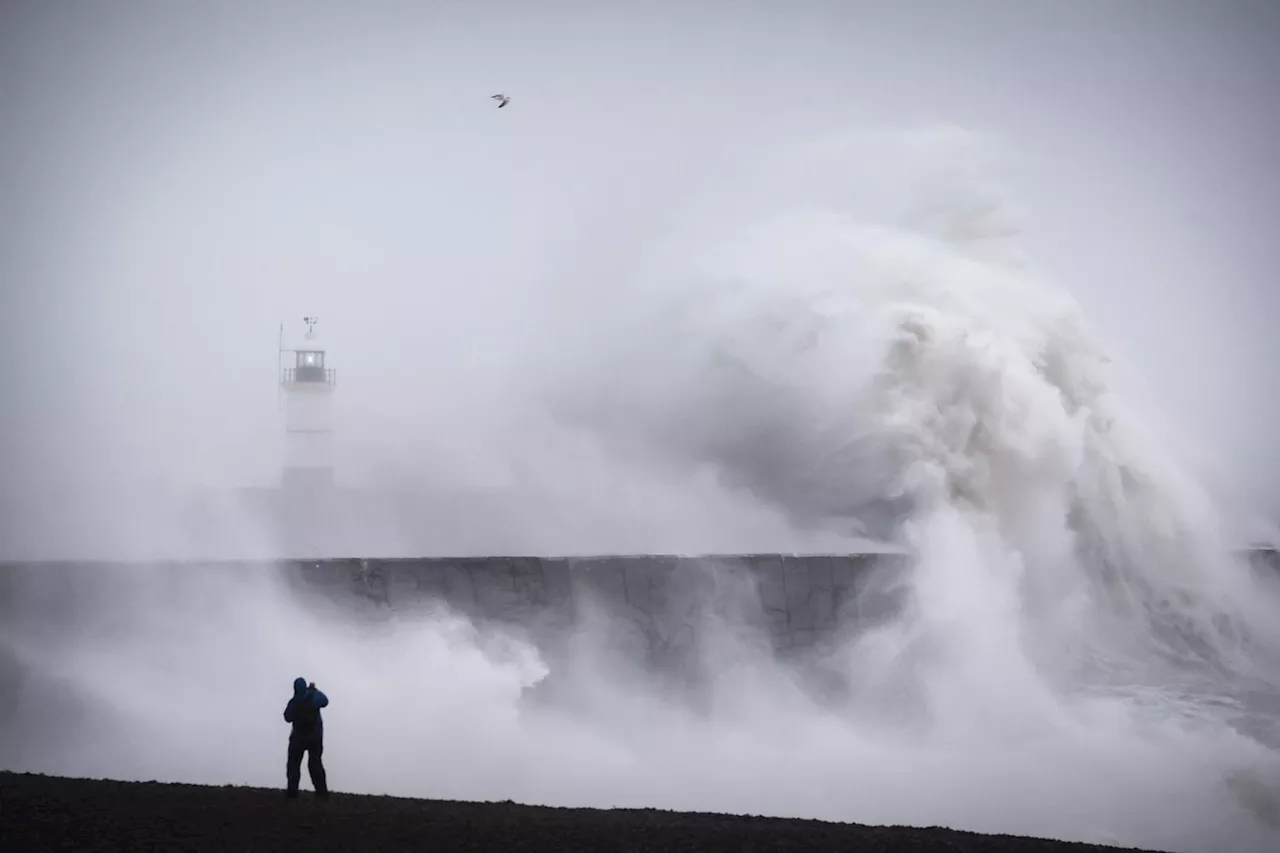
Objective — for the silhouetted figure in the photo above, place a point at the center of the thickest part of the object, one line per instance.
(303, 711)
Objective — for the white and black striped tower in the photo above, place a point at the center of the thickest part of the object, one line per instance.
(308, 387)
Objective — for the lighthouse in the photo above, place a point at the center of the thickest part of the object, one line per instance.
(307, 387)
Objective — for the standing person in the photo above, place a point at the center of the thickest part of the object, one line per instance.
(307, 735)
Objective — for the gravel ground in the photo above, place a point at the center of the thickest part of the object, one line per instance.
(47, 813)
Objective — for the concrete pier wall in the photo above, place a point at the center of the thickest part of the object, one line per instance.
(658, 611)
(656, 604)
(661, 600)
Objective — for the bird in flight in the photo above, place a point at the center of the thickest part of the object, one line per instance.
(502, 100)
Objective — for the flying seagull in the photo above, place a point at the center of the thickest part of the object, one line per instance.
(502, 100)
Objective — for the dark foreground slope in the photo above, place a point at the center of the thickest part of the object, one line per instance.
(45, 813)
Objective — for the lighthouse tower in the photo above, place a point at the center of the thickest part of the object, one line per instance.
(307, 387)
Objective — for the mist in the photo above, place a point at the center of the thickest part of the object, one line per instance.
(181, 181)
(989, 285)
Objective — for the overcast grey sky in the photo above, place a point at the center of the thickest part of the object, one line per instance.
(176, 178)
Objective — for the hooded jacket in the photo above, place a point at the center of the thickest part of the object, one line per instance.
(305, 697)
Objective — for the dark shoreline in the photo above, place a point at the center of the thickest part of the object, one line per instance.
(45, 813)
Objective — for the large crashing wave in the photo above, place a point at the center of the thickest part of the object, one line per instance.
(862, 340)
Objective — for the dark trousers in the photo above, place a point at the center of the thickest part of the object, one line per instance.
(314, 749)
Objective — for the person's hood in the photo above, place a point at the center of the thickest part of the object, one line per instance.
(299, 688)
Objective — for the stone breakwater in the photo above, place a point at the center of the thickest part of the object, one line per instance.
(798, 601)
(659, 611)
(656, 607)
(654, 604)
